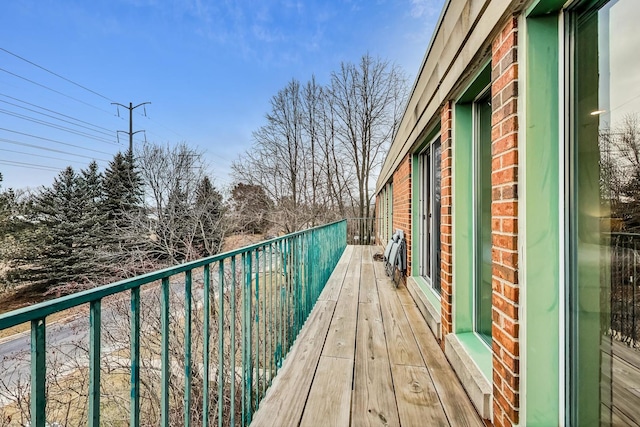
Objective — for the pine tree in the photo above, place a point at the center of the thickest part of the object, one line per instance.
(60, 248)
(122, 190)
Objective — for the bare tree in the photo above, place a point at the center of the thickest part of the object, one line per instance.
(184, 213)
(368, 100)
(321, 147)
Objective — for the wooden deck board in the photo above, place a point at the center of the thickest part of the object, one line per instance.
(333, 286)
(365, 357)
(418, 402)
(373, 402)
(285, 401)
(341, 339)
(456, 404)
(330, 396)
(401, 343)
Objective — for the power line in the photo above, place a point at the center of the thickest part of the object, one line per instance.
(28, 165)
(54, 90)
(56, 74)
(54, 141)
(57, 118)
(46, 157)
(53, 150)
(56, 126)
(56, 112)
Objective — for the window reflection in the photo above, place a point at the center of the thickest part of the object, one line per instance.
(604, 310)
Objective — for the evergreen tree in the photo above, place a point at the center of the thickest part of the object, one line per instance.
(60, 248)
(122, 190)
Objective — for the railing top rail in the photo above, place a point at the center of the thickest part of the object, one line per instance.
(46, 308)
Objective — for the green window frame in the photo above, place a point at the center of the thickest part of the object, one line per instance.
(603, 234)
(429, 182)
(482, 242)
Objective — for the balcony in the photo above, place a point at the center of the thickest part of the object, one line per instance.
(301, 329)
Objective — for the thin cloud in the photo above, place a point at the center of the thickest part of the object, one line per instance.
(421, 8)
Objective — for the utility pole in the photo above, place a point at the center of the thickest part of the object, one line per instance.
(131, 132)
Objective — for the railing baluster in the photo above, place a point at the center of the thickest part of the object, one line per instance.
(164, 314)
(206, 345)
(248, 359)
(233, 341)
(257, 331)
(187, 348)
(268, 324)
(94, 362)
(264, 321)
(38, 372)
(220, 342)
(135, 357)
(271, 316)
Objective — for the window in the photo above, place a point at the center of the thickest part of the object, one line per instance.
(482, 215)
(429, 214)
(603, 313)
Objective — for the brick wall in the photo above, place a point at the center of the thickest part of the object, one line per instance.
(402, 203)
(446, 226)
(504, 226)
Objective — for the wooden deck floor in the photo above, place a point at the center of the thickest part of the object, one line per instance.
(365, 357)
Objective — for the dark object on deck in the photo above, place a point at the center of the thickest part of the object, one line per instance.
(395, 256)
(378, 257)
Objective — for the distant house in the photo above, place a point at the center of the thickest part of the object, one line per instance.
(516, 180)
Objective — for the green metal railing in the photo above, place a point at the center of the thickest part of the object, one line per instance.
(236, 315)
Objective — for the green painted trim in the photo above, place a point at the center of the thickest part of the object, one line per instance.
(542, 225)
(478, 350)
(476, 86)
(463, 219)
(544, 7)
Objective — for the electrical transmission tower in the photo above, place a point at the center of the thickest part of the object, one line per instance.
(131, 107)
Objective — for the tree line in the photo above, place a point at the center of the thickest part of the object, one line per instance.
(90, 227)
(317, 156)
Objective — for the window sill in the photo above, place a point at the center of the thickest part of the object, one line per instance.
(427, 302)
(471, 359)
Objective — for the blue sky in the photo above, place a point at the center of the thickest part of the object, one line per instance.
(208, 67)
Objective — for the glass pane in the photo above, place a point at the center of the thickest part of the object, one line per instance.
(436, 217)
(483, 217)
(604, 310)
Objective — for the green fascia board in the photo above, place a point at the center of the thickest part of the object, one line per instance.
(542, 224)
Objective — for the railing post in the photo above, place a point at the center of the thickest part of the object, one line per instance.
(38, 372)
(233, 342)
(135, 357)
(164, 314)
(206, 345)
(94, 363)
(187, 348)
(220, 342)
